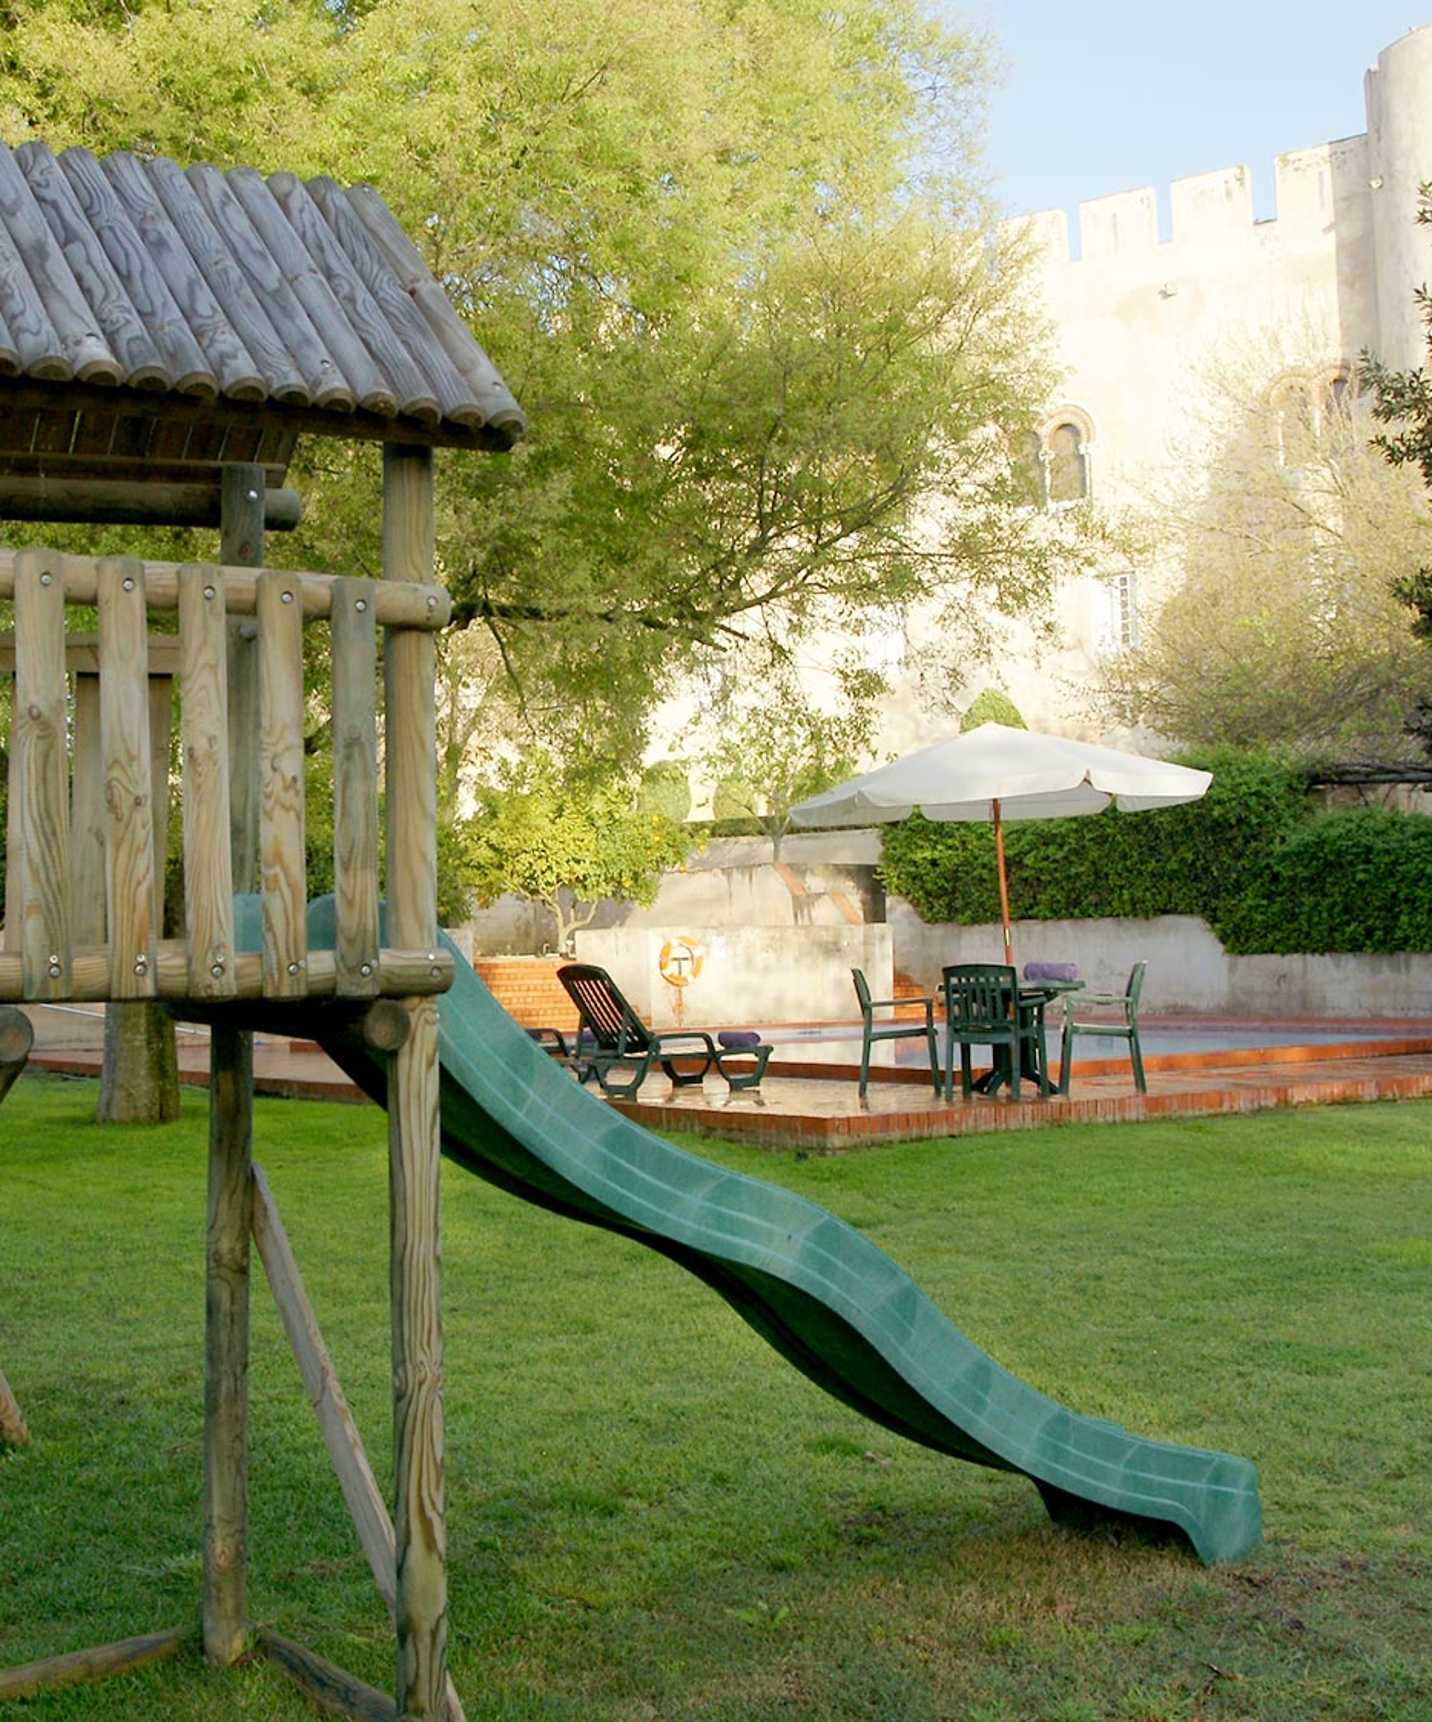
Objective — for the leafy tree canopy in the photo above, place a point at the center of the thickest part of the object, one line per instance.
(773, 745)
(1402, 401)
(568, 844)
(1284, 630)
(731, 258)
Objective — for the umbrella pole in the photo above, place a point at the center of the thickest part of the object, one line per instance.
(1003, 883)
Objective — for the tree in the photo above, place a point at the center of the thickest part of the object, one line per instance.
(568, 844)
(776, 746)
(1284, 629)
(1403, 401)
(993, 706)
(732, 260)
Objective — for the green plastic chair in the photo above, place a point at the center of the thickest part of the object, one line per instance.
(1125, 1027)
(892, 1028)
(983, 1008)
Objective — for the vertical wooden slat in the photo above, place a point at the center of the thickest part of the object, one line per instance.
(281, 813)
(87, 819)
(410, 664)
(413, 1127)
(226, 1414)
(204, 720)
(355, 780)
(40, 777)
(11, 942)
(128, 780)
(161, 737)
(241, 545)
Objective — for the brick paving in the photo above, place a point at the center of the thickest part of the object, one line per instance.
(815, 1107)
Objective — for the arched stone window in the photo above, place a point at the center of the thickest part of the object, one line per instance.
(1068, 467)
(1051, 466)
(1312, 412)
(1295, 414)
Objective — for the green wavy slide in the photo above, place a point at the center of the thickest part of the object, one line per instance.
(824, 1296)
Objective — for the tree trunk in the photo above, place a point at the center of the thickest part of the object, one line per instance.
(140, 1084)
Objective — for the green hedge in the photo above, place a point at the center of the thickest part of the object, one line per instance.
(1255, 858)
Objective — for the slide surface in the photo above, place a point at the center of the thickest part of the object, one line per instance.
(829, 1300)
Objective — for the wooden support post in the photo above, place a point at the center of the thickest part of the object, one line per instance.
(413, 1128)
(226, 1409)
(17, 1037)
(231, 1107)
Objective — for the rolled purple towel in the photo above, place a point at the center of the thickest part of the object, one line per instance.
(734, 1038)
(1051, 971)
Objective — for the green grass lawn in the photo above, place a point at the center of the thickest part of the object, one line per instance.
(651, 1516)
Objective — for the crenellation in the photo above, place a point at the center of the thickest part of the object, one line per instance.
(1115, 226)
(1211, 206)
(1313, 186)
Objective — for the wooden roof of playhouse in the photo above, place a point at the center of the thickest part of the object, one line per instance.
(158, 323)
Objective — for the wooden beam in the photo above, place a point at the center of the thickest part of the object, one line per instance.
(82, 657)
(119, 502)
(401, 974)
(399, 605)
(320, 1380)
(360, 425)
(17, 1037)
(330, 1687)
(31, 1678)
(13, 1430)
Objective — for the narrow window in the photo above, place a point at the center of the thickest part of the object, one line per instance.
(1115, 615)
(1068, 466)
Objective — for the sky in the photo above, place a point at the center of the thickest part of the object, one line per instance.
(1101, 96)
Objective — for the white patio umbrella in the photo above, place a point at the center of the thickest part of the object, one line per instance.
(998, 773)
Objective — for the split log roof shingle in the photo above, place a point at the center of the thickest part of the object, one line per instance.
(158, 322)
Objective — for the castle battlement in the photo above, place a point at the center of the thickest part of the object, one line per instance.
(1312, 185)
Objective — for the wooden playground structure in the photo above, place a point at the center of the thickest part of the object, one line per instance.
(89, 760)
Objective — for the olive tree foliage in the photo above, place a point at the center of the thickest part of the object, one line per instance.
(768, 745)
(1287, 531)
(568, 844)
(732, 259)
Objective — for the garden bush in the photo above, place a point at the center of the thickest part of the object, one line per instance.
(1254, 857)
(1357, 880)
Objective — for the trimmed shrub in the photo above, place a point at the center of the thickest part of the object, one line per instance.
(1358, 880)
(1254, 858)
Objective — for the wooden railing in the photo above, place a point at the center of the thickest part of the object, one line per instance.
(60, 761)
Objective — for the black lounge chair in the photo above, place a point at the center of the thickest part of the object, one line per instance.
(612, 1038)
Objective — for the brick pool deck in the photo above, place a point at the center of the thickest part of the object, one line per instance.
(814, 1106)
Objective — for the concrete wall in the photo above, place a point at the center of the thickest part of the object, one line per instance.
(822, 879)
(738, 976)
(776, 945)
(1189, 971)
